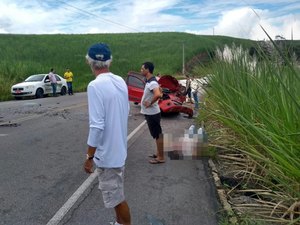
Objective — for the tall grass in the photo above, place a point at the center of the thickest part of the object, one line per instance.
(23, 55)
(257, 103)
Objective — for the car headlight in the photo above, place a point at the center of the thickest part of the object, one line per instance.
(29, 87)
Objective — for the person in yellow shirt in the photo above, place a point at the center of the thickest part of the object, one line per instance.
(69, 77)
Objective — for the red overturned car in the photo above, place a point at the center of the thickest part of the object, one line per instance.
(173, 93)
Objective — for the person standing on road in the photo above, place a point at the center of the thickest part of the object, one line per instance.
(151, 110)
(53, 81)
(188, 89)
(68, 75)
(195, 91)
(108, 107)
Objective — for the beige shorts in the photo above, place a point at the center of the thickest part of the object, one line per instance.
(111, 184)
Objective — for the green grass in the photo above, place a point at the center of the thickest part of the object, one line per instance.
(23, 55)
(259, 110)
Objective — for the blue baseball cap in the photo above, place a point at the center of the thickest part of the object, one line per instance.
(100, 52)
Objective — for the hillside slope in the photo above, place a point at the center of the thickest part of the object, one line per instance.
(22, 55)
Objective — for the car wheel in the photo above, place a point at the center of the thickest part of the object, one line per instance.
(182, 90)
(63, 91)
(39, 93)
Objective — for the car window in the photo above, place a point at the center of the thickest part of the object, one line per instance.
(35, 78)
(135, 82)
(57, 78)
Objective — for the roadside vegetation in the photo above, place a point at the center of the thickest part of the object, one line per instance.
(23, 55)
(252, 113)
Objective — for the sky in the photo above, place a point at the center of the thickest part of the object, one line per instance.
(235, 18)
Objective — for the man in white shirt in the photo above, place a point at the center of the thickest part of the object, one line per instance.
(151, 110)
(53, 81)
(107, 141)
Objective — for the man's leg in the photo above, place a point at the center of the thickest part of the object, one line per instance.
(52, 85)
(157, 134)
(71, 87)
(190, 96)
(160, 148)
(195, 95)
(123, 213)
(54, 90)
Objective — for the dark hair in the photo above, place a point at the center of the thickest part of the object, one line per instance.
(149, 66)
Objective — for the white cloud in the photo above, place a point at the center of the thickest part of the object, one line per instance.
(223, 17)
(246, 23)
(238, 22)
(27, 20)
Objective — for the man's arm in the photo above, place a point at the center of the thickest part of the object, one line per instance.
(95, 139)
(156, 96)
(88, 164)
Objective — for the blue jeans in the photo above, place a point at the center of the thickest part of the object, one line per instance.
(196, 101)
(54, 88)
(70, 88)
(188, 92)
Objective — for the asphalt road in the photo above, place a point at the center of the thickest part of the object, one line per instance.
(43, 146)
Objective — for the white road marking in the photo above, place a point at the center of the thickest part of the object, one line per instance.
(3, 135)
(72, 200)
(59, 215)
(136, 130)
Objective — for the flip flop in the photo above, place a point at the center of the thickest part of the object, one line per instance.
(156, 161)
(153, 156)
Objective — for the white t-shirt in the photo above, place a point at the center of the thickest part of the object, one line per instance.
(148, 96)
(108, 118)
(52, 78)
(195, 86)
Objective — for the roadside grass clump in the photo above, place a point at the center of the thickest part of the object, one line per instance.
(225, 220)
(254, 113)
(13, 74)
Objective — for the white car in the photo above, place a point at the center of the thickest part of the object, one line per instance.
(38, 85)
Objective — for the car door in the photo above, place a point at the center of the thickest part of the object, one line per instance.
(59, 83)
(136, 85)
(47, 85)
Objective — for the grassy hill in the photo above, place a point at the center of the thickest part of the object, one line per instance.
(23, 55)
